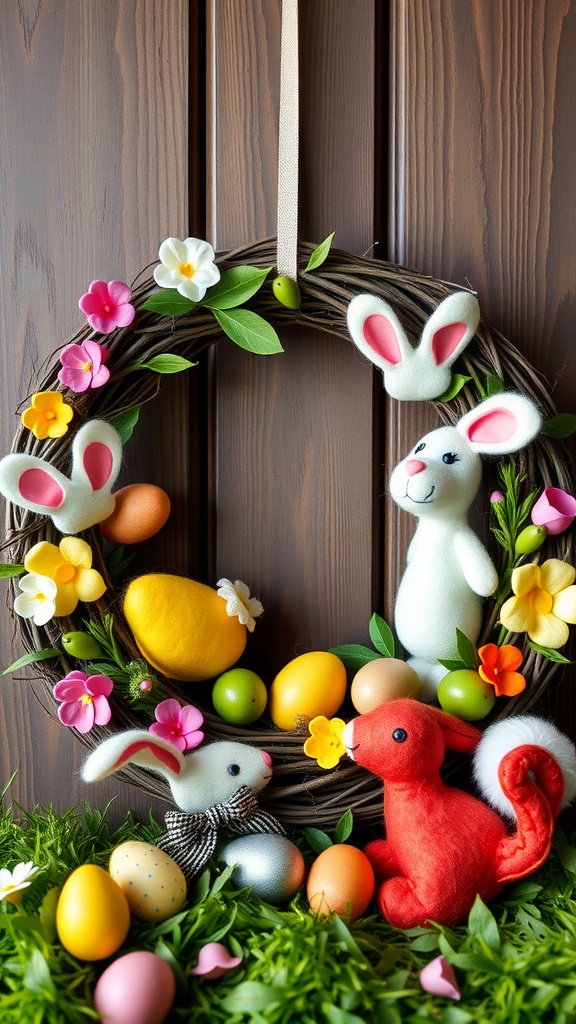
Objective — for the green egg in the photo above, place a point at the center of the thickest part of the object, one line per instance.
(81, 645)
(531, 538)
(287, 291)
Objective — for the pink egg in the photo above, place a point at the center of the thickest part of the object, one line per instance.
(138, 988)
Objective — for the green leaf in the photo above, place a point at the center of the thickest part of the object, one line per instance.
(106, 668)
(320, 253)
(452, 666)
(494, 385)
(48, 914)
(165, 363)
(7, 571)
(344, 827)
(169, 302)
(236, 285)
(250, 997)
(119, 560)
(566, 852)
(482, 924)
(466, 650)
(381, 636)
(334, 1015)
(125, 422)
(31, 659)
(548, 652)
(354, 655)
(249, 330)
(458, 381)
(560, 426)
(37, 977)
(317, 840)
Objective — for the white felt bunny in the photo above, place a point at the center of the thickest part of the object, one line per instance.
(77, 502)
(448, 570)
(411, 373)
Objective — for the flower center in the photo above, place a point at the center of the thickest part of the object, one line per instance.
(107, 307)
(87, 367)
(64, 573)
(86, 698)
(187, 269)
(542, 602)
(50, 415)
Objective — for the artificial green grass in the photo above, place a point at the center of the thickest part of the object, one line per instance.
(515, 962)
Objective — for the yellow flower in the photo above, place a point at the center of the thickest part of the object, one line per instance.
(69, 565)
(326, 742)
(544, 602)
(48, 416)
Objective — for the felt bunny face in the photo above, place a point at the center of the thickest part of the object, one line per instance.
(77, 502)
(203, 778)
(414, 374)
(442, 473)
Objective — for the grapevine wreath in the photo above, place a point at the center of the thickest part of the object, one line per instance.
(158, 329)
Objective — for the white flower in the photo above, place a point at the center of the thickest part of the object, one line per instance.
(239, 602)
(12, 882)
(38, 600)
(187, 266)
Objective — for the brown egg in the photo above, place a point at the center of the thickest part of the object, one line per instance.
(383, 680)
(140, 511)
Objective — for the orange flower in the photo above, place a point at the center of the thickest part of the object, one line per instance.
(498, 667)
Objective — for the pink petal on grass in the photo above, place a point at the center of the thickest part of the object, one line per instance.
(438, 979)
(214, 961)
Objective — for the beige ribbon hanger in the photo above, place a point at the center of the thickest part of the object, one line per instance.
(288, 129)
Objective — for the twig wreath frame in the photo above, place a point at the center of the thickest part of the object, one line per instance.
(300, 792)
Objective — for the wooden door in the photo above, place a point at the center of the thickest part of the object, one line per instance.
(438, 134)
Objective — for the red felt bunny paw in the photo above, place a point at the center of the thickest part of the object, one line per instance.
(382, 859)
(399, 903)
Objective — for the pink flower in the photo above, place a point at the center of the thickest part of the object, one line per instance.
(496, 497)
(555, 510)
(107, 306)
(84, 700)
(179, 725)
(83, 366)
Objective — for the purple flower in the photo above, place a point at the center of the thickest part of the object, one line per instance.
(555, 510)
(107, 306)
(83, 366)
(178, 725)
(84, 700)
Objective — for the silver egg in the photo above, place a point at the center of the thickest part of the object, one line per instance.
(271, 864)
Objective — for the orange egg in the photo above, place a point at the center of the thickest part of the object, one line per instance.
(341, 880)
(382, 680)
(140, 511)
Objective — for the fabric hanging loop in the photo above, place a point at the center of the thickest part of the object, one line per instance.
(287, 230)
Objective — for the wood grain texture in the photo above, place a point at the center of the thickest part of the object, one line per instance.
(94, 171)
(482, 168)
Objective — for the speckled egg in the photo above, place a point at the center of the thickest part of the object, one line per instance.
(271, 864)
(152, 882)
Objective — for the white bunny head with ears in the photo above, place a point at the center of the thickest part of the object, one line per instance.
(77, 502)
(424, 372)
(207, 776)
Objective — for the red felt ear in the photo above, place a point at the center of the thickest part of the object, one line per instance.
(446, 339)
(37, 486)
(380, 335)
(493, 427)
(97, 461)
(458, 735)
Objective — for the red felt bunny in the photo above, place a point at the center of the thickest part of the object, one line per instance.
(444, 846)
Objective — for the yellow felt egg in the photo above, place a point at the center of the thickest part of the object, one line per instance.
(182, 627)
(152, 882)
(310, 685)
(140, 511)
(382, 680)
(92, 915)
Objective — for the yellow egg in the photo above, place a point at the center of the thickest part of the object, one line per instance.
(310, 685)
(382, 680)
(340, 880)
(151, 881)
(182, 627)
(140, 511)
(92, 916)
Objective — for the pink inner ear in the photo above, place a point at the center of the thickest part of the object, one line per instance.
(493, 427)
(164, 756)
(446, 340)
(38, 486)
(381, 337)
(97, 463)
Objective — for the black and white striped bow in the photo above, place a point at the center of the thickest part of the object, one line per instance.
(190, 837)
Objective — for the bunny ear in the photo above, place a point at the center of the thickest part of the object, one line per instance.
(501, 424)
(136, 747)
(452, 325)
(31, 483)
(458, 735)
(96, 456)
(377, 332)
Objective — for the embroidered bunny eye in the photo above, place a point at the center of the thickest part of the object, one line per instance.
(399, 735)
(234, 769)
(419, 448)
(450, 458)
